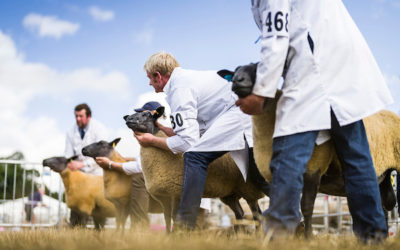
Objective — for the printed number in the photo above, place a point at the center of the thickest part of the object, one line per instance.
(278, 21)
(177, 120)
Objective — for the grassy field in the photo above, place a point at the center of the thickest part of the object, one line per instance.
(109, 239)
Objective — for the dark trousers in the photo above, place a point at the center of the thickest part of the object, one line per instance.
(194, 179)
(289, 161)
(139, 202)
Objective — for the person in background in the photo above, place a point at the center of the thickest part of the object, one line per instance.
(331, 82)
(86, 131)
(34, 199)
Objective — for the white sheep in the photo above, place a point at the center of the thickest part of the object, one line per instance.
(163, 173)
(84, 193)
(382, 132)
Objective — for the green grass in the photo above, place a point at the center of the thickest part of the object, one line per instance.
(109, 239)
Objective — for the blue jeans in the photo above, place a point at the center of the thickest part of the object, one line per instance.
(289, 161)
(194, 180)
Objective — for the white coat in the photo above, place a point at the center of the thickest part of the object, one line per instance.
(74, 144)
(204, 116)
(325, 62)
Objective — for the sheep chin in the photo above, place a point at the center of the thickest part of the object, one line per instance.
(241, 91)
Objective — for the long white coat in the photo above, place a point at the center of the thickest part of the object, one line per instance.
(204, 116)
(325, 61)
(74, 144)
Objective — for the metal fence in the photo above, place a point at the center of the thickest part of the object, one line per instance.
(21, 179)
(22, 205)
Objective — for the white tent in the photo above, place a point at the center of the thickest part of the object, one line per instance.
(13, 213)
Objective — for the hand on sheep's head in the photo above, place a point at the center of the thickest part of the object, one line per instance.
(251, 104)
(75, 165)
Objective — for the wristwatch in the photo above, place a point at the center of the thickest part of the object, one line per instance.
(110, 165)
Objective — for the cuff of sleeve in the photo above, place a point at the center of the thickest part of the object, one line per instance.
(176, 144)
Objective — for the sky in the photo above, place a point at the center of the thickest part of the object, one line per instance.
(56, 54)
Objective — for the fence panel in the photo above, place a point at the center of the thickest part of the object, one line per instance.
(31, 196)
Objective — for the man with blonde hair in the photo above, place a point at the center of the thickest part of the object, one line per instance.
(206, 124)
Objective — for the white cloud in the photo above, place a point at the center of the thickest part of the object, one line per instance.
(21, 81)
(49, 26)
(101, 15)
(145, 37)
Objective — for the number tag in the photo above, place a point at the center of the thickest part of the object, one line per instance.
(178, 121)
(276, 23)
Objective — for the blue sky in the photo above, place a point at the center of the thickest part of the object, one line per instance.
(55, 54)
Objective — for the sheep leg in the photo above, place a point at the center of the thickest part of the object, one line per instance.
(99, 222)
(232, 202)
(388, 196)
(166, 203)
(387, 193)
(310, 190)
(255, 209)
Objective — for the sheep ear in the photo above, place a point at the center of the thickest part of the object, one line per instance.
(158, 112)
(126, 117)
(226, 74)
(73, 158)
(115, 142)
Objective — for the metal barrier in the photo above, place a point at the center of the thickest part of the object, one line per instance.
(19, 206)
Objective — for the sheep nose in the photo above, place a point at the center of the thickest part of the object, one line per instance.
(44, 163)
(84, 151)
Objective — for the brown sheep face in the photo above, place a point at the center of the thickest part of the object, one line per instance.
(57, 164)
(144, 121)
(243, 79)
(101, 148)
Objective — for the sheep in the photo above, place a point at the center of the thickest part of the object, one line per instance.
(382, 132)
(163, 173)
(84, 193)
(117, 185)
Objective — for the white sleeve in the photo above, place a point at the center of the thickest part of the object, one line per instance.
(275, 17)
(183, 120)
(131, 167)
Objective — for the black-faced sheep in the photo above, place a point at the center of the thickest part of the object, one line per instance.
(117, 185)
(84, 193)
(163, 173)
(383, 136)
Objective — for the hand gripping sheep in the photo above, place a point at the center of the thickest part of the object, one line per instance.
(117, 185)
(83, 192)
(323, 170)
(163, 172)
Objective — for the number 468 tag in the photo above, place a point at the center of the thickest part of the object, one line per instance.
(277, 22)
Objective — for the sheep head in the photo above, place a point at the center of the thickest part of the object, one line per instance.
(243, 79)
(144, 121)
(57, 164)
(101, 148)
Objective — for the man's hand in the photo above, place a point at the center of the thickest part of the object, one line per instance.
(75, 165)
(144, 139)
(103, 162)
(251, 104)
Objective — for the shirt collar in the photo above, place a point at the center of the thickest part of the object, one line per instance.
(167, 87)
